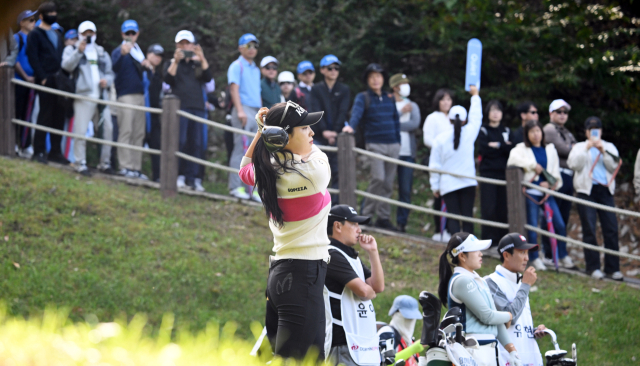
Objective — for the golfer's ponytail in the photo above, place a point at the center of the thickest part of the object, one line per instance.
(457, 130)
(447, 262)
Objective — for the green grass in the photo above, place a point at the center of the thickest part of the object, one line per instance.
(102, 249)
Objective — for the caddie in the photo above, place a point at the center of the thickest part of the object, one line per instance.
(510, 285)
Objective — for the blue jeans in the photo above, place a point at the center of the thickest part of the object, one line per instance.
(405, 183)
(191, 144)
(558, 225)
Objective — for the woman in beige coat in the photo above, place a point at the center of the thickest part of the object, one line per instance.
(535, 157)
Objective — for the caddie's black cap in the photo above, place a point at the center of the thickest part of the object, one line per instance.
(515, 241)
(344, 212)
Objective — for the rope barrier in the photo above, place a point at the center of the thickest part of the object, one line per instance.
(432, 212)
(581, 201)
(497, 182)
(81, 137)
(581, 244)
(236, 130)
(206, 163)
(82, 97)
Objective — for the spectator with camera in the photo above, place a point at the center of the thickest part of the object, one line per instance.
(187, 77)
(92, 67)
(128, 62)
(595, 163)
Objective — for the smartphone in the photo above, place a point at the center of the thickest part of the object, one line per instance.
(88, 39)
(188, 54)
(595, 134)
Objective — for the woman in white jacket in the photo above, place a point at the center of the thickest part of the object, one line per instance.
(453, 151)
(534, 157)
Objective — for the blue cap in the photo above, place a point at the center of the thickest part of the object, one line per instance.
(407, 306)
(71, 33)
(246, 38)
(129, 25)
(304, 66)
(26, 14)
(328, 60)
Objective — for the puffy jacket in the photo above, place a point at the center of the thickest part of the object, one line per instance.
(522, 156)
(580, 162)
(72, 58)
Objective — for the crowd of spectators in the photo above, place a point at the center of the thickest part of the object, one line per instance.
(384, 120)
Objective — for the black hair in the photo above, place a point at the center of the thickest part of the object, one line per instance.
(524, 107)
(330, 224)
(267, 171)
(440, 93)
(510, 251)
(445, 267)
(47, 7)
(493, 103)
(528, 127)
(457, 131)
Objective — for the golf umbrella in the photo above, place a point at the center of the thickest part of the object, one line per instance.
(548, 213)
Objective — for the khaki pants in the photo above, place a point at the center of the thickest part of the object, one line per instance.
(131, 129)
(382, 176)
(84, 112)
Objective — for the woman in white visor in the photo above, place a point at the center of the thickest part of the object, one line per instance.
(461, 286)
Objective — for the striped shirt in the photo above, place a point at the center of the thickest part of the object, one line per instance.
(381, 120)
(305, 203)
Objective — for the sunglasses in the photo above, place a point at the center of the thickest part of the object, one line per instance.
(562, 112)
(130, 33)
(286, 82)
(533, 112)
(250, 46)
(331, 68)
(273, 68)
(292, 105)
(31, 20)
(308, 72)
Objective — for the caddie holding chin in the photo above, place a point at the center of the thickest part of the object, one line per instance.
(510, 285)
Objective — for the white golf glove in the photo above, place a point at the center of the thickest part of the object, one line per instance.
(514, 359)
(259, 121)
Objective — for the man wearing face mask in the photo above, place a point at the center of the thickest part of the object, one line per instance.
(595, 163)
(44, 51)
(92, 67)
(409, 122)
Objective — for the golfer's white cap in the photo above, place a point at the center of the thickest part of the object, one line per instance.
(85, 26)
(471, 244)
(286, 77)
(557, 104)
(458, 110)
(267, 60)
(186, 35)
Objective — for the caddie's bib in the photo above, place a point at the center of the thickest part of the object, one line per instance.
(358, 320)
(521, 331)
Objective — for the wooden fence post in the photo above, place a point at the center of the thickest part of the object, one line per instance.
(169, 145)
(347, 169)
(515, 200)
(7, 112)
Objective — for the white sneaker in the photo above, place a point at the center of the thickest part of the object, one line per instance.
(123, 172)
(255, 196)
(567, 262)
(442, 237)
(617, 276)
(180, 182)
(597, 274)
(131, 174)
(197, 185)
(538, 265)
(240, 192)
(82, 169)
(140, 175)
(548, 262)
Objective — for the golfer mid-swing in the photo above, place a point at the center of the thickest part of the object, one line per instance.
(292, 176)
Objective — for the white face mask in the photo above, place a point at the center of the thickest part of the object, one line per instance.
(405, 90)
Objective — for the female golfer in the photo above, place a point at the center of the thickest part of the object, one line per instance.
(464, 288)
(292, 176)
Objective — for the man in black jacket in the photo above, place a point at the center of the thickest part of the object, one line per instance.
(44, 50)
(332, 97)
(155, 52)
(187, 73)
(527, 112)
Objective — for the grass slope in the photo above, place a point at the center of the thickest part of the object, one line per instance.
(102, 248)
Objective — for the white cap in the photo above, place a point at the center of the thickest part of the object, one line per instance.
(557, 104)
(471, 244)
(286, 77)
(85, 26)
(267, 60)
(186, 35)
(458, 110)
